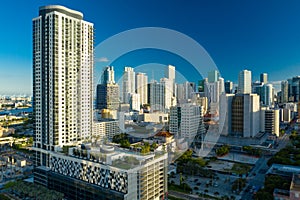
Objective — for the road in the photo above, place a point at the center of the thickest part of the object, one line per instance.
(257, 176)
(185, 196)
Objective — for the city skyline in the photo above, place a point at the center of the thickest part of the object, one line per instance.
(262, 42)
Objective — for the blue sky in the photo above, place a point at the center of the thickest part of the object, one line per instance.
(262, 36)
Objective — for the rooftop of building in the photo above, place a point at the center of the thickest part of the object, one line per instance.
(282, 193)
(295, 185)
(164, 134)
(61, 9)
(113, 155)
(283, 170)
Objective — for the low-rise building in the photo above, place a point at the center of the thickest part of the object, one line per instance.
(106, 173)
(105, 129)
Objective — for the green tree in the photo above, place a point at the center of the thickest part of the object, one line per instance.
(222, 150)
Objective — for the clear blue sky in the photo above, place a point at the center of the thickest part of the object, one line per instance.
(262, 36)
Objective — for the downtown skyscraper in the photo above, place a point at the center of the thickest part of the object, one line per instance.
(107, 95)
(244, 84)
(128, 84)
(62, 79)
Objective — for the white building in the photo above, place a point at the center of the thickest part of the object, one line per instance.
(239, 115)
(105, 129)
(170, 73)
(108, 75)
(167, 92)
(185, 121)
(272, 121)
(135, 102)
(128, 84)
(213, 91)
(244, 82)
(156, 96)
(142, 87)
(225, 113)
(62, 77)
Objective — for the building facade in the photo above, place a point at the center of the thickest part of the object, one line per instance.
(244, 82)
(239, 115)
(62, 78)
(128, 87)
(228, 87)
(105, 173)
(271, 122)
(108, 96)
(186, 121)
(105, 129)
(264, 78)
(142, 87)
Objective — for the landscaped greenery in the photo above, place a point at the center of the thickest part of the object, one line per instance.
(239, 168)
(272, 182)
(145, 148)
(286, 156)
(122, 139)
(189, 165)
(31, 190)
(222, 151)
(252, 151)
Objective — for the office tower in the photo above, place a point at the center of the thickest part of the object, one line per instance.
(213, 76)
(185, 91)
(180, 93)
(200, 101)
(201, 85)
(167, 92)
(170, 73)
(186, 121)
(107, 96)
(257, 87)
(108, 76)
(225, 113)
(298, 109)
(244, 82)
(294, 89)
(272, 121)
(62, 79)
(228, 87)
(190, 88)
(245, 115)
(284, 91)
(156, 96)
(213, 91)
(142, 87)
(135, 102)
(128, 84)
(263, 78)
(239, 115)
(267, 97)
